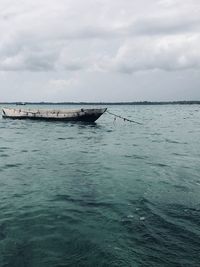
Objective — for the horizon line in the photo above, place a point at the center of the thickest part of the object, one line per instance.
(101, 102)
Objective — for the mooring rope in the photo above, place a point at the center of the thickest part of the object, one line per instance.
(123, 118)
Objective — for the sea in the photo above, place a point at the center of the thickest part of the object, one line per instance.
(111, 193)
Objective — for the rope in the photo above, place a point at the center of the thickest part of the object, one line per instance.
(125, 119)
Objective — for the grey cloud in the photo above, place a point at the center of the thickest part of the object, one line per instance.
(28, 61)
(35, 34)
(165, 25)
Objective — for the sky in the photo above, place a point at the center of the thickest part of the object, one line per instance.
(99, 50)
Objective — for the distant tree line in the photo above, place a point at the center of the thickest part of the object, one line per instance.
(108, 103)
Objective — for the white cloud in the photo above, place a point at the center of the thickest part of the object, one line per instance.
(166, 53)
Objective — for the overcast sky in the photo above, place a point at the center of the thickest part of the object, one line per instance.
(99, 50)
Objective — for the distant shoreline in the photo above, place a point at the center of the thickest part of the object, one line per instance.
(107, 103)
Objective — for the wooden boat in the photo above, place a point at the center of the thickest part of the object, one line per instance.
(85, 115)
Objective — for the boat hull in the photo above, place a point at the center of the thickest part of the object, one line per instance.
(84, 115)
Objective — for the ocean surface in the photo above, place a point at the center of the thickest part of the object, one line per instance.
(112, 193)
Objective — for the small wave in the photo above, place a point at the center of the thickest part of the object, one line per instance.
(156, 141)
(4, 155)
(4, 148)
(162, 165)
(179, 154)
(3, 233)
(140, 157)
(157, 134)
(130, 216)
(175, 142)
(83, 201)
(182, 188)
(12, 165)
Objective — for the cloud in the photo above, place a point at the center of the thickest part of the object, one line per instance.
(28, 60)
(60, 83)
(157, 25)
(167, 53)
(98, 35)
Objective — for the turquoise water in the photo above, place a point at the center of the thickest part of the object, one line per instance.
(106, 194)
